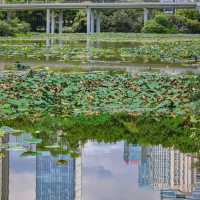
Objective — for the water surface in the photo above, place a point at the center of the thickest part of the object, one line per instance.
(102, 171)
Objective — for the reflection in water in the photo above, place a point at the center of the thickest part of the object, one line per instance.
(5, 172)
(166, 170)
(89, 45)
(53, 181)
(2, 66)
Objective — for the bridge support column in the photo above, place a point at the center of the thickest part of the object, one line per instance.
(52, 22)
(93, 19)
(60, 22)
(48, 21)
(98, 23)
(92, 22)
(88, 20)
(146, 14)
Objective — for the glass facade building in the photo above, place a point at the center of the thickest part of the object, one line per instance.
(55, 182)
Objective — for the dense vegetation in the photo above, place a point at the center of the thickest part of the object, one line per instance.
(33, 93)
(55, 133)
(146, 108)
(132, 48)
(13, 27)
(183, 21)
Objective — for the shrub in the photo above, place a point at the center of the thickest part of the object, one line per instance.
(193, 26)
(13, 27)
(152, 26)
(121, 21)
(189, 14)
(163, 23)
(163, 20)
(179, 22)
(18, 26)
(5, 29)
(79, 24)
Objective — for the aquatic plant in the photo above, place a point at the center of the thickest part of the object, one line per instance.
(32, 93)
(66, 135)
(132, 48)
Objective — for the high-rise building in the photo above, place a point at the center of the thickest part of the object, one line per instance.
(196, 193)
(58, 182)
(5, 172)
(167, 170)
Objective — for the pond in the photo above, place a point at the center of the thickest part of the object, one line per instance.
(100, 157)
(101, 171)
(103, 51)
(101, 117)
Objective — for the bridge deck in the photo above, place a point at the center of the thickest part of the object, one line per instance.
(41, 6)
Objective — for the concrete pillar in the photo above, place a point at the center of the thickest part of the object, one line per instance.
(98, 23)
(48, 20)
(52, 22)
(60, 22)
(92, 21)
(88, 10)
(146, 14)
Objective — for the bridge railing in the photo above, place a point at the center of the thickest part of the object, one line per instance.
(94, 1)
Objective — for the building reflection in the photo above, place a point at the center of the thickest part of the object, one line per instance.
(171, 172)
(57, 177)
(4, 167)
(58, 182)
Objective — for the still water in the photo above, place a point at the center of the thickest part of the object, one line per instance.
(101, 171)
(98, 171)
(82, 55)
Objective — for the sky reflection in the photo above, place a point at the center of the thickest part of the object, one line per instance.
(117, 171)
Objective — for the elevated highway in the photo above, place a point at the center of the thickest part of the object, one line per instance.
(92, 10)
(125, 5)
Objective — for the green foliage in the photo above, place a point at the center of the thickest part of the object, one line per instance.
(79, 24)
(19, 26)
(192, 14)
(54, 134)
(181, 22)
(193, 26)
(153, 27)
(37, 93)
(13, 27)
(5, 29)
(133, 48)
(167, 52)
(121, 21)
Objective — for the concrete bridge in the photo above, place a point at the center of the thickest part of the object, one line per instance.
(92, 10)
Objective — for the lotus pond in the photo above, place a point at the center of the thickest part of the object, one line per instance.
(128, 48)
(105, 117)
